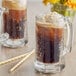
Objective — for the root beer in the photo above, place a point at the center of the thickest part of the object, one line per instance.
(14, 18)
(15, 23)
(48, 39)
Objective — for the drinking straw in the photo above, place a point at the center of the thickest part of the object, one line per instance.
(22, 61)
(13, 59)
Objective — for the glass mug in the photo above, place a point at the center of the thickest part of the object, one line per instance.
(14, 22)
(51, 45)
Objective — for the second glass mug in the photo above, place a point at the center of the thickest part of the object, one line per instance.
(51, 45)
(14, 22)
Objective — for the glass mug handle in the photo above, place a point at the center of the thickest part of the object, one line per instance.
(68, 45)
(3, 36)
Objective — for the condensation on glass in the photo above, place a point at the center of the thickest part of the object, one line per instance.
(14, 22)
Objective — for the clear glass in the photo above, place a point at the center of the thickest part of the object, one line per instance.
(51, 46)
(14, 22)
(69, 14)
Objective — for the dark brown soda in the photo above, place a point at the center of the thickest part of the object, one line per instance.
(15, 23)
(48, 41)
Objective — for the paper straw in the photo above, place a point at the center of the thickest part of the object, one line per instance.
(23, 60)
(13, 59)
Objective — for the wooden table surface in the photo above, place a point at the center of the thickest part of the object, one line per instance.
(27, 69)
